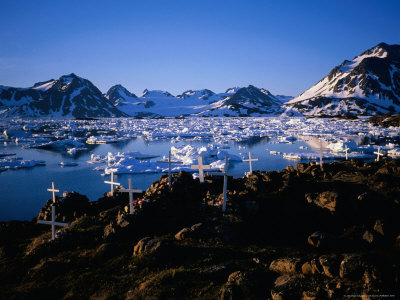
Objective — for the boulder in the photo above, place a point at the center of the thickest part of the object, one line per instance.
(189, 232)
(352, 267)
(286, 265)
(330, 264)
(368, 236)
(68, 207)
(287, 287)
(235, 287)
(326, 200)
(109, 231)
(149, 245)
(379, 227)
(311, 267)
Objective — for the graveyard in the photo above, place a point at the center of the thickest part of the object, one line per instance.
(312, 231)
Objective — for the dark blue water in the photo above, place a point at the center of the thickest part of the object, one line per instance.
(24, 191)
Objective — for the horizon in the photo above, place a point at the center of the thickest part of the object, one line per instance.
(179, 46)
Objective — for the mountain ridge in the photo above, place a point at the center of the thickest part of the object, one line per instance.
(368, 84)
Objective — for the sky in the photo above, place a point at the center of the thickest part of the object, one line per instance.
(176, 45)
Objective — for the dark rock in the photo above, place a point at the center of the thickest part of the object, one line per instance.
(330, 264)
(352, 267)
(311, 267)
(68, 208)
(321, 239)
(286, 265)
(287, 287)
(368, 236)
(236, 286)
(106, 251)
(327, 200)
(190, 232)
(379, 227)
(149, 245)
(109, 231)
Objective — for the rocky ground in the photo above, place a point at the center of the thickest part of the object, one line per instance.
(386, 120)
(298, 233)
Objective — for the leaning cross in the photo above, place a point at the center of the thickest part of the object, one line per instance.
(169, 162)
(225, 174)
(379, 153)
(112, 183)
(201, 168)
(130, 190)
(53, 222)
(250, 160)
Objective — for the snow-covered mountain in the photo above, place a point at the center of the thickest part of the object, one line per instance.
(368, 84)
(246, 101)
(118, 95)
(72, 96)
(69, 96)
(156, 94)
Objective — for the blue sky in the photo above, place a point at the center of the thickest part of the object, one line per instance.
(175, 45)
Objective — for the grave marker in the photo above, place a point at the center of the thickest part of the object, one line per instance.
(112, 183)
(225, 174)
(250, 160)
(201, 168)
(169, 162)
(130, 190)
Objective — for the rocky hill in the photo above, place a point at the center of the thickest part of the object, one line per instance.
(300, 233)
(69, 96)
(366, 85)
(246, 101)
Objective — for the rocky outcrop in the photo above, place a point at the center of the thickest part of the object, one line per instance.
(302, 232)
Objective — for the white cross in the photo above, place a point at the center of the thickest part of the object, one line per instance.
(169, 162)
(130, 190)
(201, 168)
(54, 191)
(53, 223)
(225, 174)
(112, 183)
(251, 165)
(346, 149)
(378, 154)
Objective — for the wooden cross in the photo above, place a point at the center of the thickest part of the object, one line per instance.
(201, 168)
(169, 162)
(53, 223)
(251, 165)
(54, 191)
(130, 190)
(379, 153)
(112, 183)
(346, 149)
(225, 174)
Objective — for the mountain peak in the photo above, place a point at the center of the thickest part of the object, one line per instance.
(118, 94)
(155, 94)
(367, 84)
